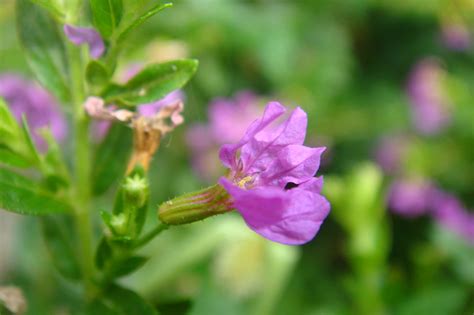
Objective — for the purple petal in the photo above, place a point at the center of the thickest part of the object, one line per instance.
(315, 184)
(36, 104)
(391, 151)
(411, 198)
(230, 118)
(428, 98)
(456, 36)
(84, 35)
(261, 149)
(290, 217)
(451, 214)
(227, 153)
(294, 163)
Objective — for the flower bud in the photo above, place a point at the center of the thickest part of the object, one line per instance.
(195, 206)
(135, 189)
(129, 212)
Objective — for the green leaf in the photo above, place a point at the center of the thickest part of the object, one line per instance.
(139, 21)
(103, 253)
(56, 233)
(52, 7)
(44, 48)
(111, 158)
(8, 125)
(11, 158)
(127, 302)
(33, 152)
(120, 301)
(22, 195)
(152, 83)
(97, 73)
(13, 146)
(125, 266)
(106, 15)
(54, 168)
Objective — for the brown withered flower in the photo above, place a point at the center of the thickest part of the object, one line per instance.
(148, 130)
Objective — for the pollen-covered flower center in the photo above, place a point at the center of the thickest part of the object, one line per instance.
(246, 182)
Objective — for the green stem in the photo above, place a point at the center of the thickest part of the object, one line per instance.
(82, 168)
(150, 235)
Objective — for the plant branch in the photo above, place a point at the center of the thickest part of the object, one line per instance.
(150, 235)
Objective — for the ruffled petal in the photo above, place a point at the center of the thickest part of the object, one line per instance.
(315, 185)
(84, 35)
(265, 144)
(290, 217)
(227, 153)
(294, 163)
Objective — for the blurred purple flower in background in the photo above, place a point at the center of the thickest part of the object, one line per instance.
(270, 159)
(456, 36)
(390, 153)
(451, 214)
(428, 100)
(228, 120)
(27, 98)
(410, 198)
(84, 35)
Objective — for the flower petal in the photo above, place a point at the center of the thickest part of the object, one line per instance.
(227, 153)
(294, 163)
(261, 149)
(84, 35)
(290, 217)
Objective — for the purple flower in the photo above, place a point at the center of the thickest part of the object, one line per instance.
(427, 97)
(39, 107)
(391, 152)
(228, 120)
(450, 213)
(456, 36)
(84, 35)
(263, 165)
(411, 198)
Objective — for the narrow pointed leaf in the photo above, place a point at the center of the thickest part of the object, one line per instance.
(8, 124)
(142, 19)
(33, 152)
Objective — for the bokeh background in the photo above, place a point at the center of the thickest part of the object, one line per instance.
(389, 90)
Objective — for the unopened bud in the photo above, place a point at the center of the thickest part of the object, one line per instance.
(135, 190)
(130, 206)
(195, 206)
